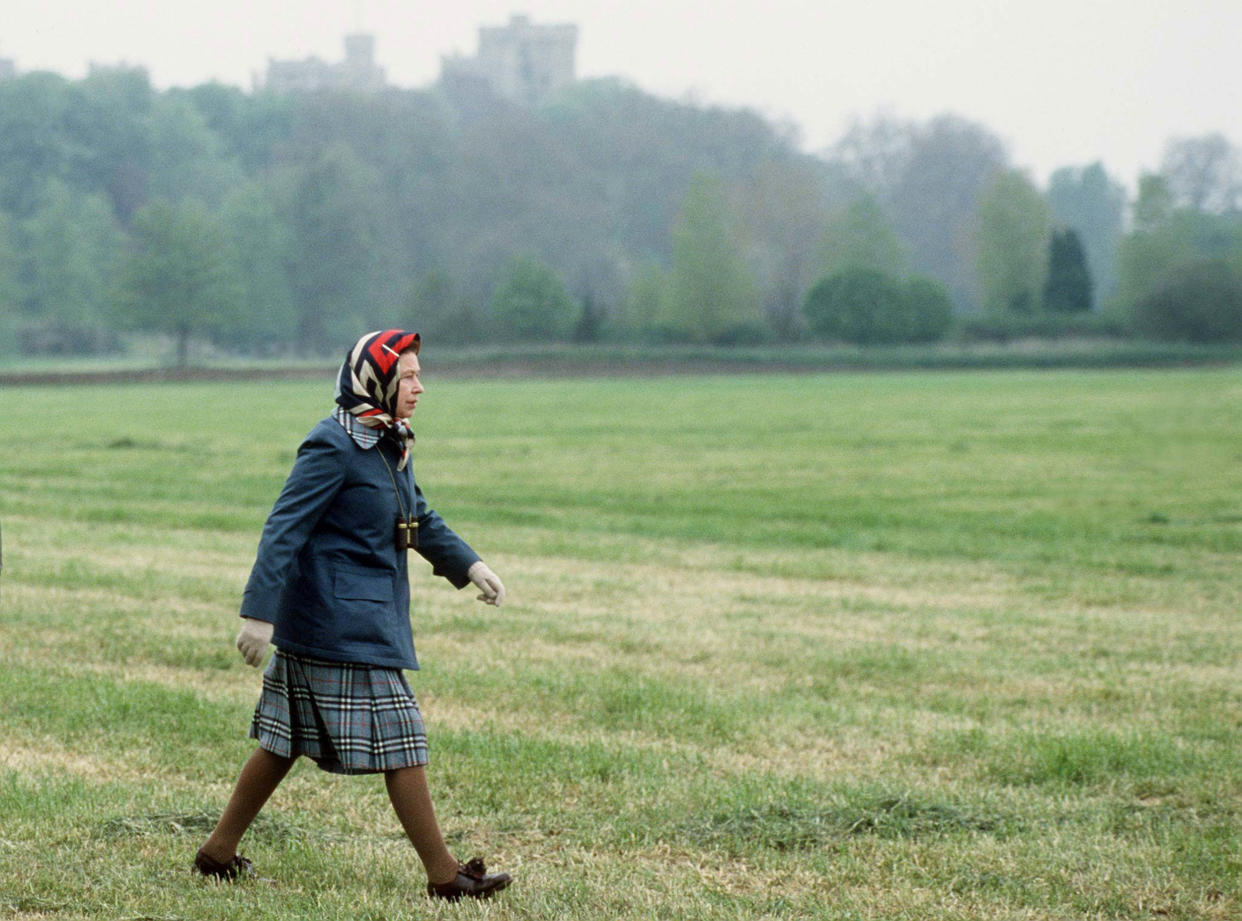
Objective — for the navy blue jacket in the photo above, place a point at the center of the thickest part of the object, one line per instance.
(328, 573)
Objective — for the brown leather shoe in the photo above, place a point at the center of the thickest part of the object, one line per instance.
(226, 872)
(473, 881)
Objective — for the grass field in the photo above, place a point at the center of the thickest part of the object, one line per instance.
(856, 646)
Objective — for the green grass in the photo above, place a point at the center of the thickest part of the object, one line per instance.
(853, 646)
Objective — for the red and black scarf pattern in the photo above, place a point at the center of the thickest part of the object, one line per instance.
(366, 388)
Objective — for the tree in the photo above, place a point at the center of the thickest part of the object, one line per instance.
(785, 211)
(252, 127)
(860, 235)
(1166, 236)
(33, 151)
(1067, 288)
(180, 278)
(261, 246)
(107, 136)
(1089, 202)
(934, 204)
(1197, 301)
(876, 154)
(187, 158)
(71, 252)
(644, 301)
(1203, 173)
(590, 321)
(1011, 239)
(10, 290)
(532, 304)
(635, 154)
(329, 205)
(1154, 206)
(711, 296)
(436, 308)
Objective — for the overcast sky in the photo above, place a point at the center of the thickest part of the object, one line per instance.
(1062, 82)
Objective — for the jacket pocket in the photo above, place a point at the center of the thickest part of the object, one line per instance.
(351, 584)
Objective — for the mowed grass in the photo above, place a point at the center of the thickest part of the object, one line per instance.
(874, 646)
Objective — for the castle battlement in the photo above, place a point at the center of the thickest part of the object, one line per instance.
(522, 61)
(358, 72)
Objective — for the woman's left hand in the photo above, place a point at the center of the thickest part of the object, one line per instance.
(488, 583)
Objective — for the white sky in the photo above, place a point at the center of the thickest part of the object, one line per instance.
(1063, 82)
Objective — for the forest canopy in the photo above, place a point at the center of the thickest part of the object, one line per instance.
(281, 224)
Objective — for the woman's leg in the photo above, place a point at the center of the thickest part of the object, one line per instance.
(259, 778)
(407, 788)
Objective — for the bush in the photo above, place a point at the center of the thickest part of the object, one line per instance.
(868, 307)
(1197, 301)
(1006, 327)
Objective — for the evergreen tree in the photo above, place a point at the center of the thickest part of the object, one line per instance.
(1067, 288)
(1092, 203)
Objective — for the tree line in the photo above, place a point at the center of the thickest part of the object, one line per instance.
(281, 224)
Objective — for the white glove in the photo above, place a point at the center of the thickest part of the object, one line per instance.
(253, 640)
(487, 582)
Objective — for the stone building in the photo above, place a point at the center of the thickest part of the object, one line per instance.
(521, 61)
(358, 72)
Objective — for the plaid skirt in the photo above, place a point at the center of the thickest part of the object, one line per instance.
(348, 718)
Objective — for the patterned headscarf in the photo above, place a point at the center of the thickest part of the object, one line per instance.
(366, 389)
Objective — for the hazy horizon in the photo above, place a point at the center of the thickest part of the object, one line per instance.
(1062, 83)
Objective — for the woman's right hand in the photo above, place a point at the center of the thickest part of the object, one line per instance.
(253, 640)
(489, 584)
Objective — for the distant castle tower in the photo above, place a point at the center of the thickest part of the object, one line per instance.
(358, 72)
(522, 61)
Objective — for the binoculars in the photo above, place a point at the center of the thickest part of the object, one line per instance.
(406, 534)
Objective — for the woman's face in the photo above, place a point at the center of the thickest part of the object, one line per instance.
(409, 387)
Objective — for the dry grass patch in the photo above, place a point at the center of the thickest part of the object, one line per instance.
(46, 756)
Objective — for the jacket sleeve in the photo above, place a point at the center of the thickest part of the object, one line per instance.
(448, 554)
(313, 483)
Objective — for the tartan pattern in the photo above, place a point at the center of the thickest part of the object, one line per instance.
(347, 717)
(366, 387)
(363, 437)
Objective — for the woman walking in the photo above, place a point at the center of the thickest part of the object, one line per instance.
(330, 588)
